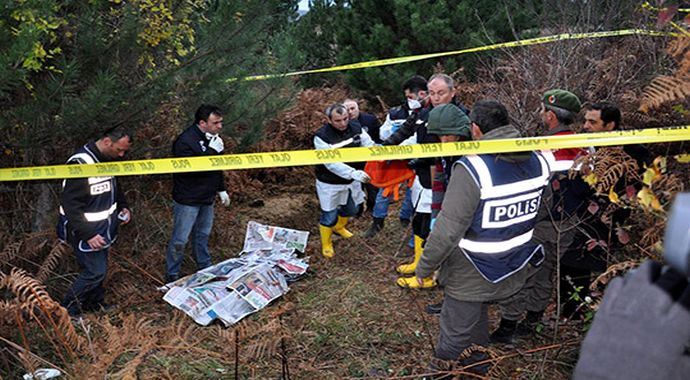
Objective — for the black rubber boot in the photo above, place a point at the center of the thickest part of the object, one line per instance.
(376, 226)
(528, 326)
(505, 333)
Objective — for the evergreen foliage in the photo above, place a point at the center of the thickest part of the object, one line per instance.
(71, 69)
(342, 32)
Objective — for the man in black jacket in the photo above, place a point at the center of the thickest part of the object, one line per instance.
(193, 193)
(90, 211)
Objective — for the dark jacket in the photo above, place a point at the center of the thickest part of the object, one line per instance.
(197, 188)
(82, 197)
(333, 136)
(370, 124)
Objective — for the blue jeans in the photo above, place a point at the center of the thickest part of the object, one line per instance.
(330, 218)
(194, 220)
(86, 292)
(381, 205)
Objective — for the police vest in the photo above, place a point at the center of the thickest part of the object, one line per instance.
(348, 138)
(498, 241)
(99, 212)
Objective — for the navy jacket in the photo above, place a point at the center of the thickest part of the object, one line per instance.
(89, 206)
(370, 124)
(333, 136)
(199, 188)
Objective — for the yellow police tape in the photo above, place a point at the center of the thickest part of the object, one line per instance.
(411, 58)
(312, 157)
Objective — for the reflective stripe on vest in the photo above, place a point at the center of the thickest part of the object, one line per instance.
(555, 164)
(101, 215)
(486, 185)
(496, 247)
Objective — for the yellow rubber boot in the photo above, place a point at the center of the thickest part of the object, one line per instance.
(411, 283)
(409, 268)
(326, 241)
(339, 227)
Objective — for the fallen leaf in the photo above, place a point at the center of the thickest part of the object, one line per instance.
(647, 198)
(666, 15)
(613, 197)
(591, 244)
(683, 158)
(630, 192)
(591, 179)
(660, 164)
(622, 235)
(605, 218)
(593, 207)
(555, 185)
(649, 176)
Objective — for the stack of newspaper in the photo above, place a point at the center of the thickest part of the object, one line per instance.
(235, 288)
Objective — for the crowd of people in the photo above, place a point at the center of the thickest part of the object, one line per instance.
(486, 228)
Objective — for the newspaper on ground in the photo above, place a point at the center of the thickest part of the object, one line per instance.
(237, 287)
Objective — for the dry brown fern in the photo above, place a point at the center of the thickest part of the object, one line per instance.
(31, 298)
(51, 261)
(679, 49)
(609, 165)
(129, 372)
(135, 334)
(666, 187)
(611, 272)
(651, 236)
(11, 251)
(31, 294)
(664, 89)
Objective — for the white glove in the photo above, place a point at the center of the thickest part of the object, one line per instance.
(224, 198)
(216, 143)
(361, 176)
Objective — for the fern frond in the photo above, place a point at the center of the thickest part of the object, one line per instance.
(51, 261)
(664, 89)
(611, 272)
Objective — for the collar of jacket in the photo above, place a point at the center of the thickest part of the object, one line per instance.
(506, 132)
(559, 129)
(99, 155)
(201, 134)
(338, 131)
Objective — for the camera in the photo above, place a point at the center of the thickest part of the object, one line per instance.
(677, 236)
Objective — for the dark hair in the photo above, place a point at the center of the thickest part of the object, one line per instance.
(338, 108)
(204, 111)
(116, 133)
(415, 84)
(489, 114)
(563, 116)
(609, 113)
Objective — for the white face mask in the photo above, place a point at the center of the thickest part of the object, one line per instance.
(413, 104)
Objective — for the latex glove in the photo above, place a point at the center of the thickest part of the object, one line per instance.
(216, 143)
(224, 198)
(431, 224)
(124, 216)
(642, 328)
(361, 176)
